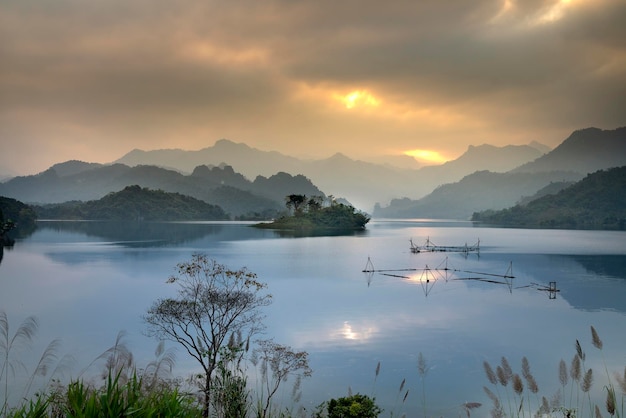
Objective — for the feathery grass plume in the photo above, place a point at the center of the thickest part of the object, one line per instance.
(23, 335)
(544, 409)
(47, 359)
(468, 406)
(422, 369)
(563, 377)
(574, 370)
(610, 400)
(518, 385)
(579, 351)
(587, 381)
(530, 379)
(402, 385)
(497, 411)
(491, 395)
(595, 338)
(525, 367)
(598, 413)
(160, 368)
(507, 368)
(502, 377)
(491, 376)
(556, 400)
(400, 393)
(375, 378)
(532, 384)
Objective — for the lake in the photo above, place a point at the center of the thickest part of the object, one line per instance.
(87, 281)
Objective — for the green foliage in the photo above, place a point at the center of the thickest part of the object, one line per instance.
(213, 304)
(311, 215)
(136, 203)
(222, 186)
(355, 406)
(16, 218)
(230, 383)
(596, 202)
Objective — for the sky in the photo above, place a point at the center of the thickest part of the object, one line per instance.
(94, 79)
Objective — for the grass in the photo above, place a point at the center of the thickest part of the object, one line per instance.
(124, 390)
(522, 397)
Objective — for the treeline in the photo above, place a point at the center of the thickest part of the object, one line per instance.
(312, 214)
(15, 218)
(135, 203)
(596, 202)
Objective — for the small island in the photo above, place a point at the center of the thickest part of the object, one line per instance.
(311, 214)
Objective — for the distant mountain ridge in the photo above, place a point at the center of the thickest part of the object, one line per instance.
(598, 201)
(584, 151)
(484, 177)
(220, 186)
(360, 182)
(478, 191)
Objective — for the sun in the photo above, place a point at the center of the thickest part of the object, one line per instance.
(358, 98)
(427, 156)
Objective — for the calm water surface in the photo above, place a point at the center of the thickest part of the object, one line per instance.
(86, 282)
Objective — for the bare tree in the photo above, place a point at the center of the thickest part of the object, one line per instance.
(213, 303)
(277, 363)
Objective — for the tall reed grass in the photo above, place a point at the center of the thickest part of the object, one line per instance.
(517, 394)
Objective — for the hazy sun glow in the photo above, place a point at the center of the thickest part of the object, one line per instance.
(358, 98)
(426, 156)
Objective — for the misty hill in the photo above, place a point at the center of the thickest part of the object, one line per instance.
(478, 191)
(220, 186)
(584, 151)
(551, 188)
(566, 163)
(135, 203)
(362, 183)
(596, 202)
(248, 161)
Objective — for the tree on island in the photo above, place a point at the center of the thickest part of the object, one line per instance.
(312, 214)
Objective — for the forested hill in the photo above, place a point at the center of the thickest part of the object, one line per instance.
(72, 181)
(136, 203)
(596, 202)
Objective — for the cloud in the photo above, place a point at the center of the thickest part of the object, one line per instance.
(184, 74)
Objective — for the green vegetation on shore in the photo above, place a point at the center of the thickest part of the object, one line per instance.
(308, 214)
(136, 203)
(596, 202)
(15, 218)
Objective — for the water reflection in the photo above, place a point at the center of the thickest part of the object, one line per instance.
(136, 234)
(347, 319)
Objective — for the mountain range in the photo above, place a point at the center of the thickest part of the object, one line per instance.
(583, 152)
(596, 202)
(362, 183)
(484, 177)
(221, 186)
